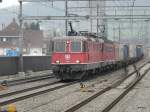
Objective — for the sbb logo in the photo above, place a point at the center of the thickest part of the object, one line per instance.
(67, 56)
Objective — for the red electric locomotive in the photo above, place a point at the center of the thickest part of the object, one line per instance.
(74, 56)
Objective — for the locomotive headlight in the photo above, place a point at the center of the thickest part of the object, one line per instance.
(67, 42)
(57, 61)
(77, 61)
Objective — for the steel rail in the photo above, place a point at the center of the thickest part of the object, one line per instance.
(121, 96)
(26, 89)
(31, 80)
(89, 99)
(26, 80)
(22, 97)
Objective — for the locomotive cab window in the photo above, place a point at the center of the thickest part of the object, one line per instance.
(59, 46)
(85, 47)
(76, 46)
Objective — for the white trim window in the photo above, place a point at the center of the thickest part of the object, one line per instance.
(3, 39)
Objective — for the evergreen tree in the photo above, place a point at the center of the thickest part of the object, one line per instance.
(26, 26)
(33, 26)
(37, 26)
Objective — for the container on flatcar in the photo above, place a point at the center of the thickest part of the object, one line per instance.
(126, 52)
(147, 51)
(121, 56)
(117, 51)
(132, 51)
(139, 50)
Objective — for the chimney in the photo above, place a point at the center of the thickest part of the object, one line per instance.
(3, 26)
(14, 20)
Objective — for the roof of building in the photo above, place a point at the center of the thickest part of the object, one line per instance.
(6, 45)
(11, 30)
(32, 38)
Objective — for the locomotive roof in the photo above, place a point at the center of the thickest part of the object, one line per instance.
(79, 38)
(70, 37)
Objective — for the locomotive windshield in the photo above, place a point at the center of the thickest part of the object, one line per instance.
(75, 46)
(59, 46)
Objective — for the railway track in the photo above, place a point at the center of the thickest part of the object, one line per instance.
(14, 96)
(99, 93)
(125, 92)
(26, 80)
(19, 95)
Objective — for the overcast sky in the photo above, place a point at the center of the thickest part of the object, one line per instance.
(7, 3)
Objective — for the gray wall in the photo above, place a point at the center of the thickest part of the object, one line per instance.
(9, 65)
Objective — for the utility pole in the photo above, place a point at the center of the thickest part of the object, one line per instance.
(21, 68)
(114, 32)
(66, 14)
(91, 21)
(146, 39)
(132, 22)
(119, 32)
(97, 19)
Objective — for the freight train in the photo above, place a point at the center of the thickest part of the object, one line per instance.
(76, 56)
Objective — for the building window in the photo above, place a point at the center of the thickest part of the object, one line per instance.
(3, 39)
